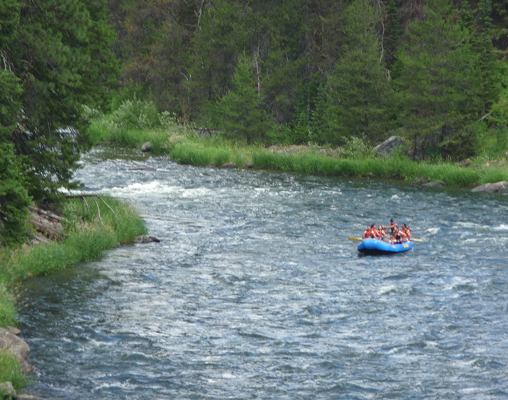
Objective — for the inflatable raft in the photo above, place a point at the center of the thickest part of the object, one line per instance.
(375, 246)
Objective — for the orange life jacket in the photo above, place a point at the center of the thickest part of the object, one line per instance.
(369, 234)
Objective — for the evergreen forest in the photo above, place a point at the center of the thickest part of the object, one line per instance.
(272, 72)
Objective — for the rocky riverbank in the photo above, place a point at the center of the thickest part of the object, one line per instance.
(114, 224)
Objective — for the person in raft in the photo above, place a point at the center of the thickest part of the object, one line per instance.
(372, 233)
(367, 233)
(397, 236)
(392, 225)
(407, 231)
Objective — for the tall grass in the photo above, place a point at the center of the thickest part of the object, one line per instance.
(10, 371)
(397, 167)
(391, 168)
(187, 152)
(88, 232)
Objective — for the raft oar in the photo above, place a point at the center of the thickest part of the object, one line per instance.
(361, 240)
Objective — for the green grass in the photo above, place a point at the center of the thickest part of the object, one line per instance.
(392, 168)
(10, 371)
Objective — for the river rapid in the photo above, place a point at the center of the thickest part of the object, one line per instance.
(255, 292)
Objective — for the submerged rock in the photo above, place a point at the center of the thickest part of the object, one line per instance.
(433, 184)
(497, 187)
(146, 239)
(229, 165)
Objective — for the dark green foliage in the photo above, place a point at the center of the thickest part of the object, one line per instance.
(438, 90)
(356, 92)
(14, 199)
(185, 54)
(9, 20)
(60, 55)
(239, 112)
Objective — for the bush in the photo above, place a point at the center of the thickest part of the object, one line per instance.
(356, 148)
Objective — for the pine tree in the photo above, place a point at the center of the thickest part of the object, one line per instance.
(438, 90)
(356, 90)
(60, 53)
(239, 111)
(14, 198)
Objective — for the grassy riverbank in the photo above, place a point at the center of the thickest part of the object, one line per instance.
(89, 227)
(354, 159)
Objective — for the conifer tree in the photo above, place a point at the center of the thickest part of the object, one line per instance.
(14, 199)
(239, 111)
(60, 52)
(438, 88)
(356, 91)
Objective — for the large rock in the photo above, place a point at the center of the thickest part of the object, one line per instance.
(146, 239)
(147, 146)
(389, 145)
(13, 345)
(7, 391)
(497, 187)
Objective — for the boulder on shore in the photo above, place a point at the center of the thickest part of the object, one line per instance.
(497, 187)
(15, 346)
(389, 145)
(147, 146)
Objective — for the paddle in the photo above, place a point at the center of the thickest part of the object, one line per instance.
(361, 240)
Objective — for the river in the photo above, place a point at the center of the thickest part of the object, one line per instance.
(255, 292)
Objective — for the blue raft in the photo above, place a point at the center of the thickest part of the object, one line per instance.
(375, 246)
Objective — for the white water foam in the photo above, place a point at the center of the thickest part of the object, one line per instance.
(155, 188)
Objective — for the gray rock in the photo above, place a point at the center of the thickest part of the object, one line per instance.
(433, 184)
(465, 163)
(497, 187)
(13, 345)
(146, 239)
(28, 397)
(14, 331)
(389, 145)
(147, 146)
(230, 165)
(7, 390)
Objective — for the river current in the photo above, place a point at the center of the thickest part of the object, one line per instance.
(255, 292)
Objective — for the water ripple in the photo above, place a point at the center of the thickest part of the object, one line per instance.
(255, 291)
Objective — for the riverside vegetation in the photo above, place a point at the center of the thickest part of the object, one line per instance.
(355, 158)
(89, 227)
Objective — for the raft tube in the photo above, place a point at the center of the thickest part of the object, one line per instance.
(376, 246)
